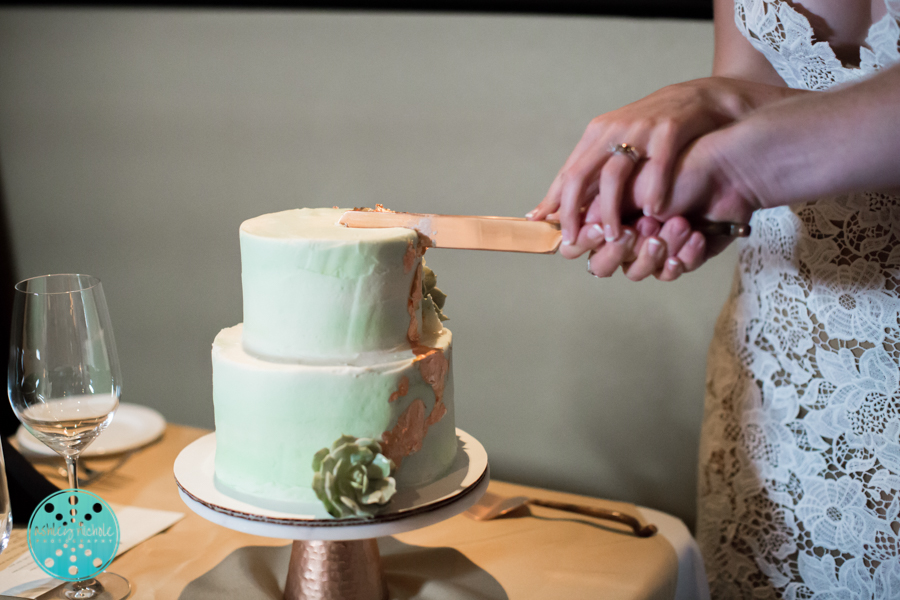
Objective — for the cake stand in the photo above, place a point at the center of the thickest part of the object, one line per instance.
(333, 558)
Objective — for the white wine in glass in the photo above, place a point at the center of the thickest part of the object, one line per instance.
(65, 381)
(69, 425)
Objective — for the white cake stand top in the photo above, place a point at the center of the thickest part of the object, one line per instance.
(411, 508)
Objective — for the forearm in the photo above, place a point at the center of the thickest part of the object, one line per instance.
(818, 144)
(739, 97)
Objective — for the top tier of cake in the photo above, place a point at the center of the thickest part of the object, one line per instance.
(315, 290)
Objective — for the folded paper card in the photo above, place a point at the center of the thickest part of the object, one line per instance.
(20, 576)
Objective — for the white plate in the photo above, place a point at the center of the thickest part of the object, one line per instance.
(410, 509)
(133, 426)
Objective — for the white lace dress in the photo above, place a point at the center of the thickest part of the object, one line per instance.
(799, 490)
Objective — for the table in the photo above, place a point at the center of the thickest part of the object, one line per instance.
(549, 555)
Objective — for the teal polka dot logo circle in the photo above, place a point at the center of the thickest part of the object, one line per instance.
(73, 535)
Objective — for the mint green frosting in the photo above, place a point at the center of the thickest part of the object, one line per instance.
(315, 289)
(272, 417)
(323, 353)
(353, 478)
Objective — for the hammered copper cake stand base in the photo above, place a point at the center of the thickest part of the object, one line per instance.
(335, 570)
(333, 559)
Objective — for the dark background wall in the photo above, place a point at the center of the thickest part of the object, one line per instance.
(682, 9)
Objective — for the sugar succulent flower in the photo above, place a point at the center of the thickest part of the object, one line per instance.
(432, 291)
(432, 302)
(353, 478)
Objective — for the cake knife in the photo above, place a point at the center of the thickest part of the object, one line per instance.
(504, 234)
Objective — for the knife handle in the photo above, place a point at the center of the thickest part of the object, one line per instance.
(717, 228)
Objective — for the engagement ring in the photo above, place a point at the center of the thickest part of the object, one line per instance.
(626, 149)
(590, 256)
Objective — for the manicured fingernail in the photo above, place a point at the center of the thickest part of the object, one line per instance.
(609, 234)
(697, 240)
(626, 239)
(595, 232)
(675, 266)
(567, 242)
(656, 247)
(529, 215)
(648, 211)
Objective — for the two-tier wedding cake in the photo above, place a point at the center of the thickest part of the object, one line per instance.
(338, 385)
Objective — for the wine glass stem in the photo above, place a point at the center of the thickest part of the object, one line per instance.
(72, 470)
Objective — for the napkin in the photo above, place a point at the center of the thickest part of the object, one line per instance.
(20, 576)
(412, 572)
(27, 487)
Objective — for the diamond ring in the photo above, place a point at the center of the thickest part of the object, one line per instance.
(626, 149)
(590, 256)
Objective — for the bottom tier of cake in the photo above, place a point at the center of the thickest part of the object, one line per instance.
(271, 418)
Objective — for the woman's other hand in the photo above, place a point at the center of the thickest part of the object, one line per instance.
(664, 250)
(597, 186)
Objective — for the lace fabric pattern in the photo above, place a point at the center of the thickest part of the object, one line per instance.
(799, 491)
(787, 40)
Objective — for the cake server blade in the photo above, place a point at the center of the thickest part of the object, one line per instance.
(504, 234)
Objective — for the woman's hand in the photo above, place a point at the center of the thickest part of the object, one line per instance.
(705, 187)
(648, 247)
(596, 186)
(664, 250)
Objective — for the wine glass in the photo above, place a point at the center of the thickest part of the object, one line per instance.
(5, 508)
(65, 381)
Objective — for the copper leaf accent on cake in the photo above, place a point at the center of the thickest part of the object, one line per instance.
(414, 251)
(412, 305)
(412, 426)
(353, 478)
(407, 435)
(410, 256)
(402, 389)
(434, 367)
(378, 208)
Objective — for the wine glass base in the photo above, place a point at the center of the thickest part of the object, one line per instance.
(110, 587)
